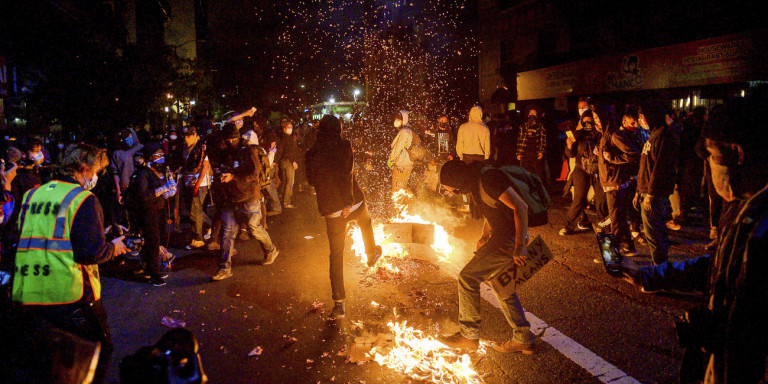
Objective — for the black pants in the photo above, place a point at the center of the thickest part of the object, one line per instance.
(690, 184)
(536, 166)
(581, 182)
(619, 202)
(154, 230)
(337, 233)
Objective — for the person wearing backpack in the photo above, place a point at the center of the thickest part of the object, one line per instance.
(400, 160)
(580, 146)
(501, 200)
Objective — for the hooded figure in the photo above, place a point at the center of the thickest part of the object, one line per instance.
(339, 200)
(473, 141)
(399, 160)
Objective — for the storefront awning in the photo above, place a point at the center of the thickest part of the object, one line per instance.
(720, 60)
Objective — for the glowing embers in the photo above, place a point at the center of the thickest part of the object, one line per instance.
(416, 355)
(405, 235)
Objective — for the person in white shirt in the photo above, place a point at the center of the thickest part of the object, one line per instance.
(399, 160)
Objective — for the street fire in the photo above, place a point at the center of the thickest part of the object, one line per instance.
(422, 357)
(440, 243)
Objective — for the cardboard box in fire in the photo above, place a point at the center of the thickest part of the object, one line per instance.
(414, 238)
(509, 279)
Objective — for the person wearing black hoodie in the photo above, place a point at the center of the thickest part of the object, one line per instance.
(339, 200)
(656, 181)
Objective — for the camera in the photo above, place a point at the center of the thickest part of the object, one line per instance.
(131, 241)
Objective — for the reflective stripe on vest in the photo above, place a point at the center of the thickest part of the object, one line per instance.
(46, 272)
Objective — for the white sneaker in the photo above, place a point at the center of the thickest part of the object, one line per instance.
(207, 235)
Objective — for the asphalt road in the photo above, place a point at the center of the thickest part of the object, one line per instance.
(271, 307)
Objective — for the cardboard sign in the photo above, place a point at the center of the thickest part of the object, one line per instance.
(506, 282)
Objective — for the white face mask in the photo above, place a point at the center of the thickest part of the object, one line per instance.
(91, 183)
(581, 111)
(37, 157)
(61, 146)
(174, 137)
(288, 131)
(721, 178)
(398, 123)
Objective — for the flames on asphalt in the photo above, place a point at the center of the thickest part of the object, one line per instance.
(413, 353)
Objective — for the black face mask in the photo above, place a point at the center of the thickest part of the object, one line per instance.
(443, 125)
(531, 118)
(588, 126)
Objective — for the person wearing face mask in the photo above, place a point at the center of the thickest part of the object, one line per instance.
(656, 180)
(399, 160)
(618, 155)
(580, 146)
(121, 164)
(240, 184)
(532, 144)
(725, 337)
(147, 200)
(287, 159)
(61, 245)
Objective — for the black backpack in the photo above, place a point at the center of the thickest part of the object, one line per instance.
(530, 187)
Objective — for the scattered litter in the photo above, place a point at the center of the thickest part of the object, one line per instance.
(202, 291)
(172, 323)
(309, 237)
(316, 306)
(289, 341)
(310, 361)
(255, 352)
(325, 354)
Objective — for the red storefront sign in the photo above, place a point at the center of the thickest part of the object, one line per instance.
(719, 60)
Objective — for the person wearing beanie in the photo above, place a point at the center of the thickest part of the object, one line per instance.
(339, 200)
(503, 241)
(726, 339)
(242, 190)
(399, 160)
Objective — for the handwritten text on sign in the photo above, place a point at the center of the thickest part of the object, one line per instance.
(506, 282)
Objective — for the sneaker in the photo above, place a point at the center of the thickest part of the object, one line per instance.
(511, 346)
(629, 250)
(673, 226)
(271, 257)
(713, 233)
(458, 341)
(605, 223)
(207, 235)
(581, 227)
(372, 259)
(213, 246)
(566, 232)
(195, 244)
(222, 274)
(157, 281)
(597, 260)
(338, 311)
(288, 206)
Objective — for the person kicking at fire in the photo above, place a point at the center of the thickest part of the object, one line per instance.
(503, 240)
(339, 200)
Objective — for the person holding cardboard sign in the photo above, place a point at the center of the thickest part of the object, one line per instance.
(503, 241)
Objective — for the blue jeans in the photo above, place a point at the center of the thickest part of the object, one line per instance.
(655, 228)
(488, 260)
(274, 197)
(289, 174)
(251, 212)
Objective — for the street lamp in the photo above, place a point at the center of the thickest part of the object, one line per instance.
(331, 100)
(355, 93)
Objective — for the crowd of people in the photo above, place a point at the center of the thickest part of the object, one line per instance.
(637, 172)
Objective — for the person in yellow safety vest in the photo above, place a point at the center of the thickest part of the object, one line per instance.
(62, 241)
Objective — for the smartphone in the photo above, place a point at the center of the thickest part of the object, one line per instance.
(609, 252)
(569, 134)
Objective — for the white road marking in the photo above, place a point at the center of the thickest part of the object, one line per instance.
(592, 363)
